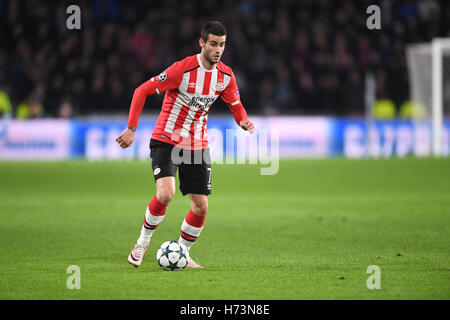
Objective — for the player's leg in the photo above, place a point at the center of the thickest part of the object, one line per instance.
(164, 172)
(192, 225)
(156, 210)
(195, 180)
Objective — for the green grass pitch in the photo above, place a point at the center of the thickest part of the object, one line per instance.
(308, 232)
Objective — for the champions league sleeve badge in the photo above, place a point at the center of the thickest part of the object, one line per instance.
(162, 76)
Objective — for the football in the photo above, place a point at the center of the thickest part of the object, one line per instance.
(171, 256)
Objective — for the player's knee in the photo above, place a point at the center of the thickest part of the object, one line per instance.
(165, 196)
(200, 207)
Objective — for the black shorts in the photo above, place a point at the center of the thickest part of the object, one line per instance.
(194, 166)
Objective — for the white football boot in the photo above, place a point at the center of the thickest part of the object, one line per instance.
(136, 255)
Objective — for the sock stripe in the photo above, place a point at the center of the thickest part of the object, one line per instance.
(149, 226)
(190, 230)
(188, 237)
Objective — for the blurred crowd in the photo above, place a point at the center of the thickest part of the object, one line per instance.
(306, 57)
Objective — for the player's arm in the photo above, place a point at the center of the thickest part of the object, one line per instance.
(169, 79)
(232, 98)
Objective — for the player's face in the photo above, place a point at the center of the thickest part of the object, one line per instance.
(213, 48)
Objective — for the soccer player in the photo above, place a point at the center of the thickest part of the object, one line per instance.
(191, 86)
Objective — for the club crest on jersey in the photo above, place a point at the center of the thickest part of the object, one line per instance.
(220, 86)
(162, 76)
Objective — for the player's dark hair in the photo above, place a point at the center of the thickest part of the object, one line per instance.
(213, 27)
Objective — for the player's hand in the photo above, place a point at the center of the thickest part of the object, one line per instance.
(247, 125)
(125, 139)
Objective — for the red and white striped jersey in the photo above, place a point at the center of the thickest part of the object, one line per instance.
(190, 89)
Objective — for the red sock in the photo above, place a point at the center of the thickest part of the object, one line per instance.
(191, 228)
(194, 219)
(154, 215)
(156, 207)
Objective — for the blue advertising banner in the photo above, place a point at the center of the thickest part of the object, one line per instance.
(275, 137)
(295, 137)
(47, 139)
(355, 138)
(95, 139)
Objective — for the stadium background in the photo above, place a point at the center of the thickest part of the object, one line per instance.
(301, 68)
(291, 58)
